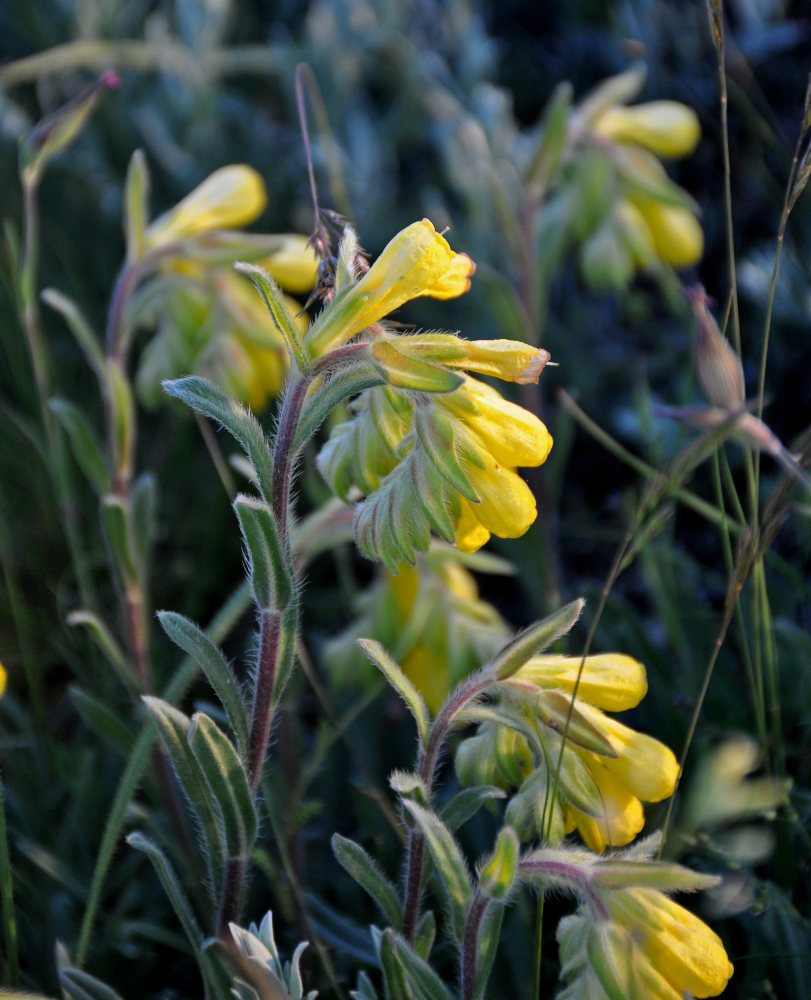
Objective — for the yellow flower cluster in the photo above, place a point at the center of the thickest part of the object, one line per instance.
(435, 444)
(210, 320)
(654, 217)
(607, 769)
(646, 947)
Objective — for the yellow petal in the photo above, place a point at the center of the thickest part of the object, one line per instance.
(470, 532)
(676, 233)
(227, 199)
(511, 360)
(684, 950)
(666, 128)
(611, 681)
(507, 506)
(620, 815)
(3, 678)
(512, 435)
(645, 765)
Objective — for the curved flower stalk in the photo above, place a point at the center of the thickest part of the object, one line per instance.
(606, 769)
(430, 618)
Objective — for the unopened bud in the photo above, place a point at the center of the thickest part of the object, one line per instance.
(718, 367)
(61, 128)
(498, 875)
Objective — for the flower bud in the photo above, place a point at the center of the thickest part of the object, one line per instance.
(666, 128)
(498, 875)
(718, 367)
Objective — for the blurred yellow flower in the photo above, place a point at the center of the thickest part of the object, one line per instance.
(3, 678)
(294, 265)
(227, 199)
(667, 128)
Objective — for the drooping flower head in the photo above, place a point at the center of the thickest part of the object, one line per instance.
(435, 449)
(607, 769)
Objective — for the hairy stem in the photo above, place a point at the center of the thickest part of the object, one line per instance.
(470, 944)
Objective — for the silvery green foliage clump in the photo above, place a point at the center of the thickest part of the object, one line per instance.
(271, 978)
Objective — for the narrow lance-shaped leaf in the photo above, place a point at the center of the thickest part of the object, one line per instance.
(79, 327)
(173, 729)
(79, 985)
(418, 973)
(377, 655)
(171, 886)
(223, 770)
(466, 803)
(273, 298)
(192, 640)
(136, 213)
(534, 639)
(115, 517)
(448, 861)
(366, 872)
(107, 643)
(271, 573)
(394, 978)
(101, 719)
(84, 443)
(207, 399)
(489, 935)
(554, 127)
(122, 405)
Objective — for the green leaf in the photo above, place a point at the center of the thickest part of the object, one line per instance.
(435, 431)
(425, 934)
(172, 888)
(98, 716)
(82, 986)
(7, 898)
(122, 405)
(407, 372)
(83, 442)
(448, 861)
(418, 973)
(214, 964)
(173, 728)
(497, 876)
(271, 573)
(223, 770)
(136, 765)
(108, 645)
(533, 640)
(378, 656)
(207, 399)
(489, 936)
(466, 803)
(143, 507)
(192, 640)
(366, 872)
(136, 205)
(79, 327)
(322, 401)
(554, 129)
(273, 297)
(115, 517)
(394, 979)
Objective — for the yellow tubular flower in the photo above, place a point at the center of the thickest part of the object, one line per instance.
(666, 128)
(503, 436)
(3, 678)
(611, 681)
(227, 199)
(672, 944)
(675, 231)
(418, 261)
